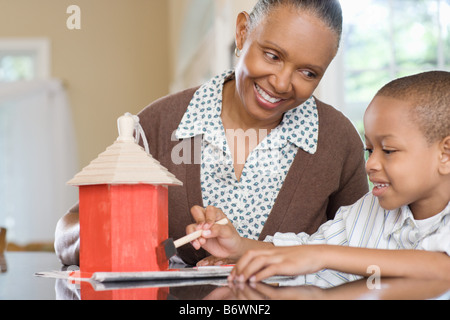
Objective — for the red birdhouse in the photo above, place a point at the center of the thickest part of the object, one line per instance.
(123, 201)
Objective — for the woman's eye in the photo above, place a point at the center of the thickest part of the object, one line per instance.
(271, 56)
(369, 151)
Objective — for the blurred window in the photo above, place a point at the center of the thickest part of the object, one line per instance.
(24, 59)
(387, 39)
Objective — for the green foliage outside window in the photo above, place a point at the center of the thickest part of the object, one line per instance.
(387, 39)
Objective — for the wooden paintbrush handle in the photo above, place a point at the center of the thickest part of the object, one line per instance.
(195, 235)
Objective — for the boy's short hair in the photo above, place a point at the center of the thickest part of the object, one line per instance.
(429, 95)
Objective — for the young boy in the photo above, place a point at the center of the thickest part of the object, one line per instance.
(402, 227)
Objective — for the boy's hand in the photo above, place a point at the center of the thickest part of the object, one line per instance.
(220, 241)
(257, 265)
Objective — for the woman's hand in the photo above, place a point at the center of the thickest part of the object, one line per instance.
(215, 261)
(257, 265)
(222, 241)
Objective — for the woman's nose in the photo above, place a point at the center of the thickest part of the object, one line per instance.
(282, 80)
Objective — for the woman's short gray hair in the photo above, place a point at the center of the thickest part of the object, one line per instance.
(329, 11)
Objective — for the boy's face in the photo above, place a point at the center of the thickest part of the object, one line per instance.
(402, 165)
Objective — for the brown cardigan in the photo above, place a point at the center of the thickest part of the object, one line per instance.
(315, 187)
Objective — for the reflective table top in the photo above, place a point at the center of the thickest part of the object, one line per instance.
(18, 282)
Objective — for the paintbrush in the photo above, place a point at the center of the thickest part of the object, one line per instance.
(168, 248)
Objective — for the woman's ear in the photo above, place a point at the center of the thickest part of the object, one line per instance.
(445, 156)
(242, 24)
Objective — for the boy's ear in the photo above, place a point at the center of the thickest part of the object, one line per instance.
(445, 156)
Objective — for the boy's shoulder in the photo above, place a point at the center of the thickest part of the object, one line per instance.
(367, 204)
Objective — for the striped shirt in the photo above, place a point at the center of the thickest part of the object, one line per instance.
(366, 224)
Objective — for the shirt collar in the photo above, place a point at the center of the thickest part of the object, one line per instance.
(398, 218)
(204, 109)
(300, 126)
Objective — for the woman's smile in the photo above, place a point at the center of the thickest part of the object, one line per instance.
(267, 100)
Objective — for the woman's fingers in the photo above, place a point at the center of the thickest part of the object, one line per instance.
(212, 215)
(205, 219)
(214, 261)
(198, 213)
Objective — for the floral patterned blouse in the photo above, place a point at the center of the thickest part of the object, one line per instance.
(249, 201)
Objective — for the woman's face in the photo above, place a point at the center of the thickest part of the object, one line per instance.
(282, 61)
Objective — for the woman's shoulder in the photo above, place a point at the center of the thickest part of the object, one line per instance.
(161, 118)
(330, 114)
(168, 106)
(333, 124)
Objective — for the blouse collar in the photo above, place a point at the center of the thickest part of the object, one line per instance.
(299, 126)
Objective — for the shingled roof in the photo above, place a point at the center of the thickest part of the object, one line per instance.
(124, 162)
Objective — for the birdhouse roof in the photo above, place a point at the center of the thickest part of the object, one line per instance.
(124, 162)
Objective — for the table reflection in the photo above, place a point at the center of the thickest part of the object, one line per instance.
(196, 289)
(220, 289)
(18, 282)
(391, 289)
(3, 264)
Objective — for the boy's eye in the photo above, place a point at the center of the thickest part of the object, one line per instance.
(309, 74)
(388, 152)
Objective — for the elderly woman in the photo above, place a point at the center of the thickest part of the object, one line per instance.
(254, 141)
